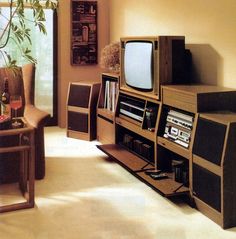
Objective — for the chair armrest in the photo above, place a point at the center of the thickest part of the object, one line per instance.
(35, 116)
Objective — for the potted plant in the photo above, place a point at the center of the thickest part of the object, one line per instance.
(16, 31)
(110, 57)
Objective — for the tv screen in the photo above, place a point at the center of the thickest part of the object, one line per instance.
(138, 65)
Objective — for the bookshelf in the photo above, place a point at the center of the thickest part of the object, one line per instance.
(106, 107)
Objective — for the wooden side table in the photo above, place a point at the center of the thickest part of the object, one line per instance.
(25, 145)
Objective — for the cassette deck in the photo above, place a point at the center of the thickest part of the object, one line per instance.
(178, 127)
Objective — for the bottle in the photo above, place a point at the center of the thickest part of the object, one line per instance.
(6, 109)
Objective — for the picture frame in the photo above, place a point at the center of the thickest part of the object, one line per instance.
(83, 32)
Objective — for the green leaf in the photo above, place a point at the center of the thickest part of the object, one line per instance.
(19, 31)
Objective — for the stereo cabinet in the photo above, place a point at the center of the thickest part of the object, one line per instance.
(201, 166)
(81, 110)
(136, 142)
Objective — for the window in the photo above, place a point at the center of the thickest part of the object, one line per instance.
(44, 50)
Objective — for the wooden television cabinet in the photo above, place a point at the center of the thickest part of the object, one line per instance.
(141, 146)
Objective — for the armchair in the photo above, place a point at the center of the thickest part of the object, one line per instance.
(23, 83)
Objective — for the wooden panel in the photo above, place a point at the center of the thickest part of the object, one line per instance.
(174, 147)
(208, 211)
(168, 187)
(106, 113)
(78, 109)
(229, 179)
(220, 117)
(78, 135)
(207, 165)
(137, 166)
(105, 131)
(137, 129)
(124, 157)
(199, 98)
(180, 100)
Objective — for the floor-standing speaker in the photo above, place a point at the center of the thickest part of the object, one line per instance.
(214, 167)
(81, 110)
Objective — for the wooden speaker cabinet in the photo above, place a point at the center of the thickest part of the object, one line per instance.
(213, 167)
(81, 110)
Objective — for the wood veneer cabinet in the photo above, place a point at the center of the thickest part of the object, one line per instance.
(106, 108)
(209, 169)
(199, 97)
(81, 110)
(211, 153)
(136, 142)
(213, 167)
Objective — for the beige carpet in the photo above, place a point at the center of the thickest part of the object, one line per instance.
(84, 195)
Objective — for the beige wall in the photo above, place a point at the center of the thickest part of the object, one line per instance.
(66, 72)
(208, 25)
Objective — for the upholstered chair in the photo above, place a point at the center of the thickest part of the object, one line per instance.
(23, 83)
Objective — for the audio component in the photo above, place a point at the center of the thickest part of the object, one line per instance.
(178, 127)
(81, 110)
(132, 107)
(131, 111)
(180, 119)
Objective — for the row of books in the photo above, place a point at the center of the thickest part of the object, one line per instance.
(111, 93)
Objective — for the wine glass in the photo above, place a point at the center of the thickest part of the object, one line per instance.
(15, 103)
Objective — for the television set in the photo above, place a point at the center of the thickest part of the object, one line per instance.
(149, 62)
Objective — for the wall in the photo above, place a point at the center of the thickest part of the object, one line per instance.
(66, 72)
(208, 25)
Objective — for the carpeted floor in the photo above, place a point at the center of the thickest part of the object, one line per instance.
(85, 195)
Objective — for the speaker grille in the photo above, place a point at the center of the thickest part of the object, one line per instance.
(206, 186)
(79, 95)
(209, 140)
(78, 121)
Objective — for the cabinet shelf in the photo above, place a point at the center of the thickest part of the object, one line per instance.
(127, 159)
(108, 114)
(168, 187)
(136, 128)
(137, 166)
(216, 169)
(178, 149)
